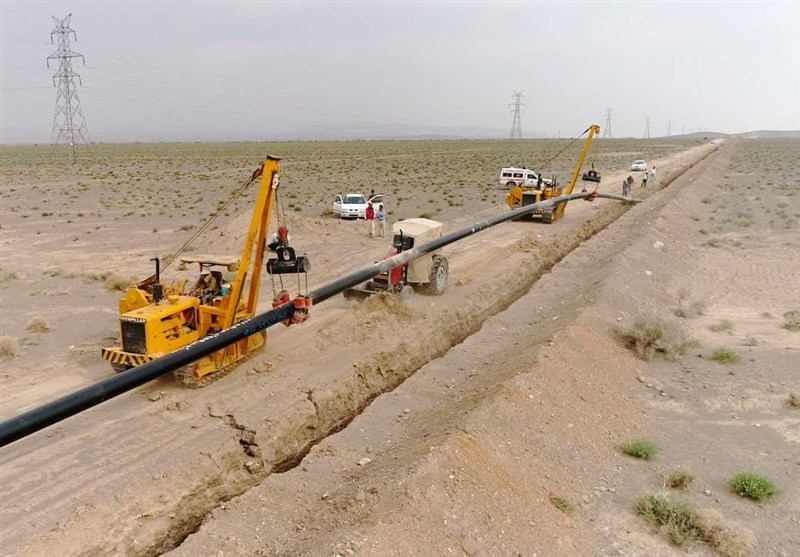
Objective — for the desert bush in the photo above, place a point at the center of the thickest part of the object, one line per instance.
(725, 356)
(563, 504)
(728, 540)
(793, 400)
(792, 320)
(676, 519)
(753, 486)
(689, 309)
(38, 325)
(650, 335)
(115, 282)
(638, 448)
(722, 325)
(682, 525)
(9, 347)
(680, 478)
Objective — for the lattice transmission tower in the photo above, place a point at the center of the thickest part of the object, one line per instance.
(517, 108)
(647, 128)
(607, 126)
(69, 123)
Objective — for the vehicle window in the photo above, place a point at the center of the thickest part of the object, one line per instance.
(506, 175)
(354, 199)
(518, 175)
(531, 176)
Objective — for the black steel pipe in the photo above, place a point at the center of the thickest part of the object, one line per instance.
(60, 409)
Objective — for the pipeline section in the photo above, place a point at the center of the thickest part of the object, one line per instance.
(62, 408)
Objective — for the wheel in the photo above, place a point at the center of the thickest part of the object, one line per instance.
(510, 185)
(437, 278)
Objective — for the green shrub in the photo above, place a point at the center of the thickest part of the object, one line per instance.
(638, 448)
(753, 486)
(725, 356)
(562, 504)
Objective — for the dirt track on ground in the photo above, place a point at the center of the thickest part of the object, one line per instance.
(149, 473)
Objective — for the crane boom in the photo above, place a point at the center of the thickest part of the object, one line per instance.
(592, 130)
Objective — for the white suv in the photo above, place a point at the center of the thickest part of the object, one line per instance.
(639, 165)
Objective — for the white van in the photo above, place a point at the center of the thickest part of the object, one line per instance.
(511, 177)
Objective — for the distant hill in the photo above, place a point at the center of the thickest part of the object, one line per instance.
(785, 134)
(699, 135)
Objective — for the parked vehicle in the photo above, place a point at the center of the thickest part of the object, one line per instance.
(639, 165)
(511, 177)
(353, 205)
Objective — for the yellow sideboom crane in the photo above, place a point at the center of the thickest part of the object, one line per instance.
(155, 321)
(519, 196)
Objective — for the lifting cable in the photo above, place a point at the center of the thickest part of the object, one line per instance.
(203, 227)
(567, 146)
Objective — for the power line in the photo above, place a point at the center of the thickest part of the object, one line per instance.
(607, 127)
(69, 123)
(517, 107)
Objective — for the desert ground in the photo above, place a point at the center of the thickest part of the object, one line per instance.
(487, 421)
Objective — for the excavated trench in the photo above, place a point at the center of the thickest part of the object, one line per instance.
(330, 409)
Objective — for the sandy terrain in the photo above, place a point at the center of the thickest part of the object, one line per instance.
(509, 390)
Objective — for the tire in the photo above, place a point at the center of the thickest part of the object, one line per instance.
(510, 185)
(437, 279)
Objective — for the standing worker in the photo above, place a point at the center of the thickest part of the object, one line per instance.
(381, 216)
(653, 176)
(370, 216)
(644, 179)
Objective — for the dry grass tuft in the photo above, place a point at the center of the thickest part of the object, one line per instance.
(115, 282)
(9, 347)
(793, 400)
(792, 320)
(682, 525)
(650, 335)
(727, 539)
(722, 325)
(38, 325)
(680, 478)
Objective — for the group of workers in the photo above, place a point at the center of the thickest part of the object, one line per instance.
(627, 183)
(372, 216)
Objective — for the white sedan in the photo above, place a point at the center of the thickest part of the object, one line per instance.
(639, 165)
(353, 205)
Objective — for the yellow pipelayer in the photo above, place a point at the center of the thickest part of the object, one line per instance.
(154, 324)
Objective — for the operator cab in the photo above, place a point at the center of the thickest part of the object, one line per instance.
(211, 285)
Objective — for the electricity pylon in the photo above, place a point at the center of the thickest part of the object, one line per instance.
(517, 107)
(69, 123)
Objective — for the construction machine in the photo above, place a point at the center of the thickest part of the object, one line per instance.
(427, 274)
(157, 319)
(522, 195)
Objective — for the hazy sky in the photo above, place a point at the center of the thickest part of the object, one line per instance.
(269, 70)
